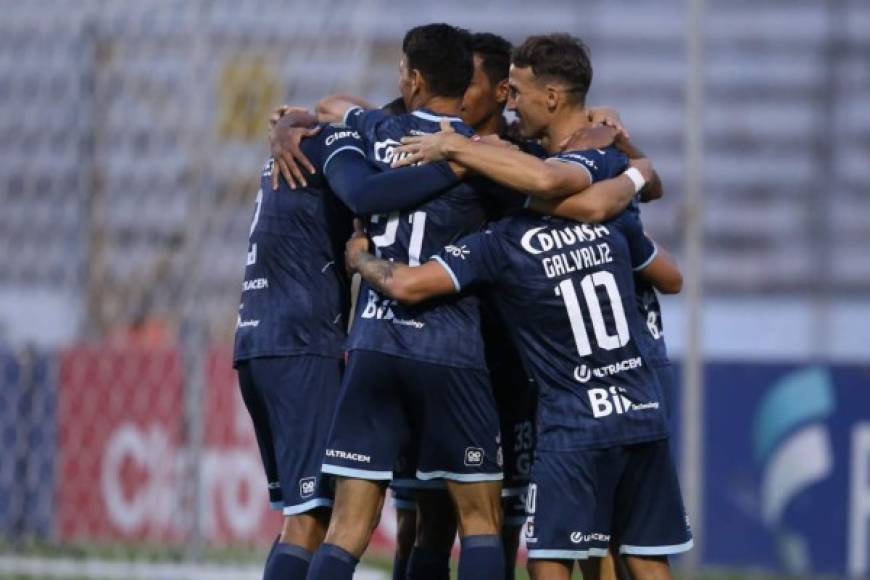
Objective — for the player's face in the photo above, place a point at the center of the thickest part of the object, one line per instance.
(480, 102)
(528, 100)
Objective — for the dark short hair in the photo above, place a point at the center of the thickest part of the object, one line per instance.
(558, 57)
(396, 107)
(495, 53)
(442, 54)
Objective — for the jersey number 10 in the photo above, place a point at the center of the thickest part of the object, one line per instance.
(605, 340)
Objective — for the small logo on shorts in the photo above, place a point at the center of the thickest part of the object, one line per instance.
(473, 456)
(530, 527)
(306, 486)
(578, 537)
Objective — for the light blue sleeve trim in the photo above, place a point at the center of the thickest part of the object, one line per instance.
(348, 112)
(649, 260)
(656, 550)
(276, 506)
(577, 163)
(464, 477)
(453, 277)
(292, 510)
(339, 150)
(357, 473)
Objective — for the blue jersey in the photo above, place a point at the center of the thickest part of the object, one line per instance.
(567, 292)
(445, 331)
(294, 296)
(651, 311)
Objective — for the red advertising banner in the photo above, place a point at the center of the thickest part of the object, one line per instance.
(123, 474)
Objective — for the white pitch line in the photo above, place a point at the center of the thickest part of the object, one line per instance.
(128, 570)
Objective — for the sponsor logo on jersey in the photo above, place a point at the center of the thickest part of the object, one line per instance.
(580, 537)
(473, 456)
(307, 486)
(536, 240)
(583, 374)
(457, 251)
(348, 134)
(605, 402)
(255, 284)
(358, 457)
(581, 158)
(247, 323)
(385, 151)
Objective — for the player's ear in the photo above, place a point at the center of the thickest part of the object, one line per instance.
(418, 82)
(553, 97)
(502, 90)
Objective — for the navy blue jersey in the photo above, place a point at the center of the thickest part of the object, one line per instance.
(445, 331)
(567, 290)
(651, 311)
(294, 296)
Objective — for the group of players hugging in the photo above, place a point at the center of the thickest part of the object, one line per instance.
(504, 365)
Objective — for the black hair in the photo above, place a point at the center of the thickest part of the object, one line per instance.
(396, 107)
(442, 54)
(557, 57)
(495, 53)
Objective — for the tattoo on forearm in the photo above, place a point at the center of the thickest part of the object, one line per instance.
(376, 271)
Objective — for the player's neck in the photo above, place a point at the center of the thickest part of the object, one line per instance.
(494, 125)
(440, 105)
(565, 125)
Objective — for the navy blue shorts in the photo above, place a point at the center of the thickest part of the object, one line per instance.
(389, 404)
(291, 400)
(581, 500)
(516, 398)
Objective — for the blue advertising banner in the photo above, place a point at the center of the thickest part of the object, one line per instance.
(27, 443)
(787, 468)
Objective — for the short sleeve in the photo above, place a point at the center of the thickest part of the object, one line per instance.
(336, 139)
(642, 249)
(591, 160)
(475, 259)
(364, 121)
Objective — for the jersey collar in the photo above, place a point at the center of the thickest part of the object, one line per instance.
(435, 118)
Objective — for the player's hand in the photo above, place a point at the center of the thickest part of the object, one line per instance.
(644, 165)
(608, 117)
(357, 244)
(284, 139)
(590, 138)
(421, 149)
(284, 110)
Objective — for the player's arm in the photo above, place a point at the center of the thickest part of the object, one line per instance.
(663, 272)
(600, 201)
(651, 262)
(366, 190)
(512, 168)
(401, 282)
(334, 108)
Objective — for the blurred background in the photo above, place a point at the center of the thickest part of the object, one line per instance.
(131, 139)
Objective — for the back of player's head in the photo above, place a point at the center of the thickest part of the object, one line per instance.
(495, 53)
(557, 58)
(442, 54)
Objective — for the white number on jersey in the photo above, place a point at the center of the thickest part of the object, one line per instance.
(252, 251)
(605, 340)
(388, 238)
